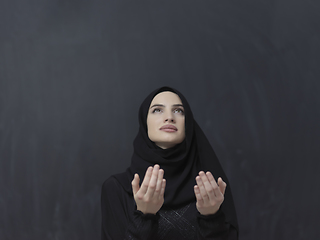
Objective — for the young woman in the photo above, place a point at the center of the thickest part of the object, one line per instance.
(170, 190)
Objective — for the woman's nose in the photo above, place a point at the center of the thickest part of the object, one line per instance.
(169, 118)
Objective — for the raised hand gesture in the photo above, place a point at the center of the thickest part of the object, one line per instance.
(209, 193)
(149, 197)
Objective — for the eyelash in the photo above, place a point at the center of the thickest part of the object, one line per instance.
(179, 109)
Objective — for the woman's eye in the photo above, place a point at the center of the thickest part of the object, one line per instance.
(156, 110)
(178, 110)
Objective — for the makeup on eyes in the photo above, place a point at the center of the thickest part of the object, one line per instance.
(159, 107)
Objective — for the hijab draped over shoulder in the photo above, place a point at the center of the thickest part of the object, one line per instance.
(181, 163)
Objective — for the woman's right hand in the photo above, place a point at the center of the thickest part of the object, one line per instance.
(150, 196)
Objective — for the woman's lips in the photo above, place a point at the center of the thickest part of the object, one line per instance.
(168, 128)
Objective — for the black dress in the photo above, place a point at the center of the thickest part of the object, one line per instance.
(121, 220)
(178, 217)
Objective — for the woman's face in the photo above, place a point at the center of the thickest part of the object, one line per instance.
(165, 120)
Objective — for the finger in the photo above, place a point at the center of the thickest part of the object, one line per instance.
(163, 187)
(153, 181)
(135, 184)
(214, 184)
(207, 185)
(159, 183)
(198, 195)
(202, 189)
(146, 180)
(200, 201)
(222, 185)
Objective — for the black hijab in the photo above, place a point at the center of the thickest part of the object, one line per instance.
(181, 163)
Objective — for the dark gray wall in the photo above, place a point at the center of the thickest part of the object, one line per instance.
(73, 74)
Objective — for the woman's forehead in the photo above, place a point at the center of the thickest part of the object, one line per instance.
(166, 97)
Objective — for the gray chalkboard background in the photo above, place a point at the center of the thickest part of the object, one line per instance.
(73, 74)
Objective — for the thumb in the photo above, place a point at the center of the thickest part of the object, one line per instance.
(135, 184)
(222, 185)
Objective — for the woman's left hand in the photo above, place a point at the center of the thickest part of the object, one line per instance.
(209, 193)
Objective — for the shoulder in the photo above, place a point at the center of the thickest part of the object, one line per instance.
(118, 183)
(113, 194)
(111, 184)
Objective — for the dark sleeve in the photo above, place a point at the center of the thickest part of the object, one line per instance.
(215, 227)
(120, 219)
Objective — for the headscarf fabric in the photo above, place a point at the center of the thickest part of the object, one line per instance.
(181, 163)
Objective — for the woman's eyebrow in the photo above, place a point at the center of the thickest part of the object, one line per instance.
(157, 105)
(177, 105)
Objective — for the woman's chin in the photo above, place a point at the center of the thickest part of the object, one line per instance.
(168, 144)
